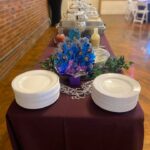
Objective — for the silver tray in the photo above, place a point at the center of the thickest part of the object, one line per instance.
(87, 30)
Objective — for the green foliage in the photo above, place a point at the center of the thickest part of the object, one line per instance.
(48, 64)
(116, 65)
(112, 65)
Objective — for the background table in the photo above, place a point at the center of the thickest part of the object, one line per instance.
(74, 125)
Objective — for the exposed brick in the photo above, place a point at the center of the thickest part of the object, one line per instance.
(18, 19)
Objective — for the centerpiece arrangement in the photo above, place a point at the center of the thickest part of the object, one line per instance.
(73, 58)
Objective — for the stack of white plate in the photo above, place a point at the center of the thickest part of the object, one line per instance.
(36, 89)
(115, 92)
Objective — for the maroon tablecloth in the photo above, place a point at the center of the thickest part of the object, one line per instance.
(74, 125)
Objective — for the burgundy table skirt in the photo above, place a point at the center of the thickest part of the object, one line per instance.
(74, 125)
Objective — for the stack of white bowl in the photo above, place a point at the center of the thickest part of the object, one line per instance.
(36, 89)
(115, 92)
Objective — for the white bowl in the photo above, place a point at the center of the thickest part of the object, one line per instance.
(115, 92)
(101, 55)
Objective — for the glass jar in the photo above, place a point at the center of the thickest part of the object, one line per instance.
(95, 38)
(60, 37)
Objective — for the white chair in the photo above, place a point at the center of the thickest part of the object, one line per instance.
(130, 9)
(141, 13)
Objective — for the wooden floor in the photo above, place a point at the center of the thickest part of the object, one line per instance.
(132, 41)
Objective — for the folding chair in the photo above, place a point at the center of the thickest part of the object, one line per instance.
(141, 13)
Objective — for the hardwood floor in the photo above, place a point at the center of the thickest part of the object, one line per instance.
(130, 40)
(133, 41)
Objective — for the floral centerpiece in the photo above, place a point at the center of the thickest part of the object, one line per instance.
(74, 57)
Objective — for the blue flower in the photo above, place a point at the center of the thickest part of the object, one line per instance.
(77, 55)
(74, 34)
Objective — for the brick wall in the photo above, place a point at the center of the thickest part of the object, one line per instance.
(21, 23)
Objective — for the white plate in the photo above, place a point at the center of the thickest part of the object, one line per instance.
(37, 104)
(101, 55)
(115, 92)
(116, 85)
(115, 100)
(37, 97)
(118, 108)
(37, 81)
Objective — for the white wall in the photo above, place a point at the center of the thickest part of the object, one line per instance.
(113, 7)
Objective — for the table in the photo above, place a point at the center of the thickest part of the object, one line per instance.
(74, 125)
